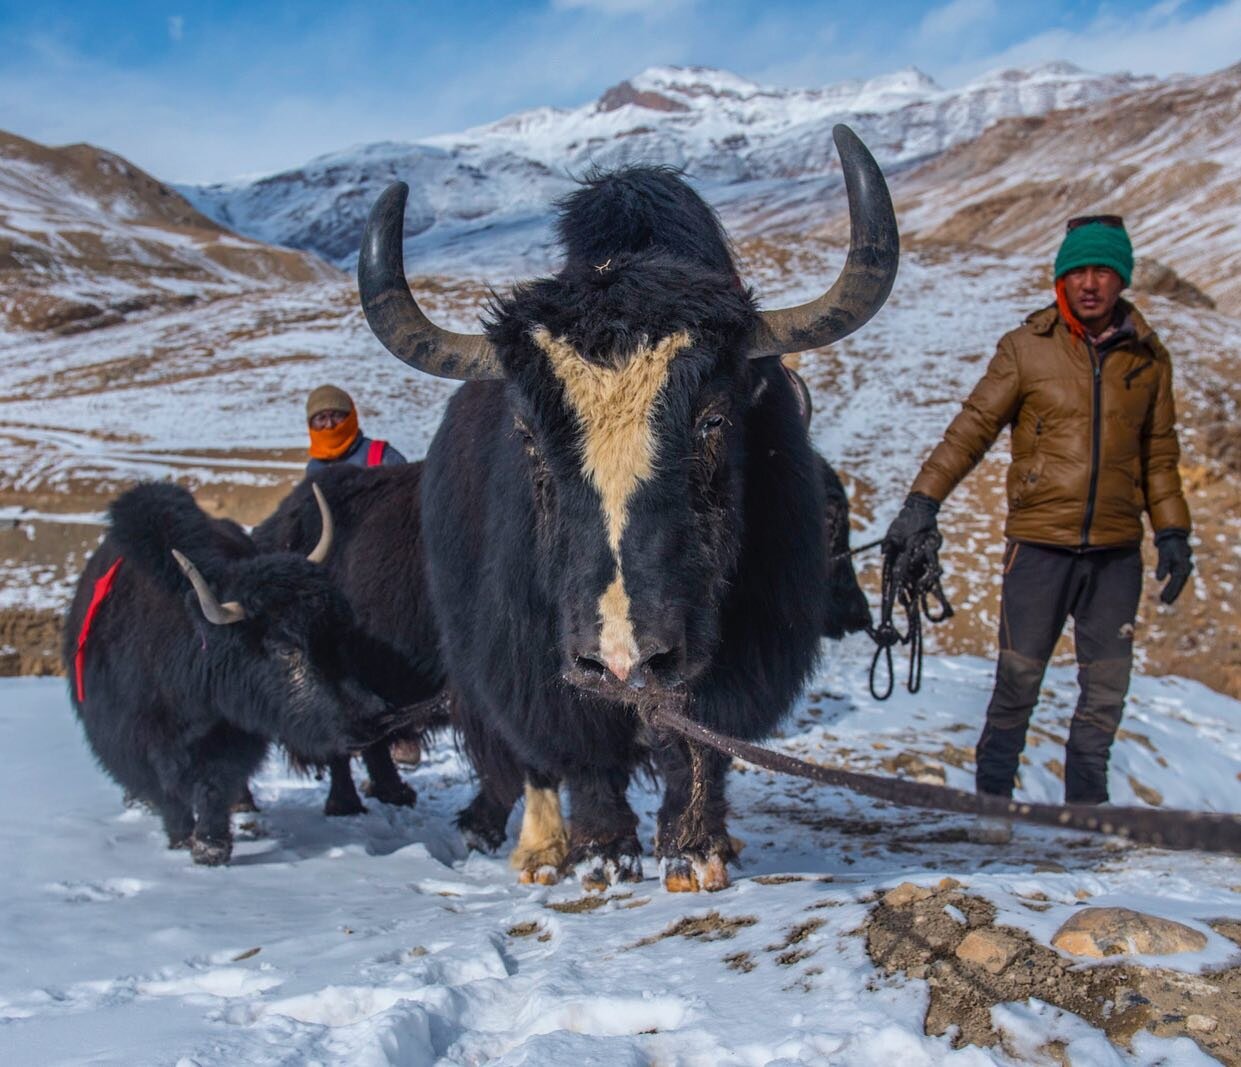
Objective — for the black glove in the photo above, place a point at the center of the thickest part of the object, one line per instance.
(916, 517)
(1175, 562)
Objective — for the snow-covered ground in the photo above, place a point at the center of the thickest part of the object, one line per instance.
(377, 940)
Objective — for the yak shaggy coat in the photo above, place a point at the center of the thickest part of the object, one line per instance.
(635, 512)
(179, 711)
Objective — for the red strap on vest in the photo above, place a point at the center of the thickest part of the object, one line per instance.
(103, 586)
(375, 454)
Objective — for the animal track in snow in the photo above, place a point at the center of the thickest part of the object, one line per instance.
(91, 892)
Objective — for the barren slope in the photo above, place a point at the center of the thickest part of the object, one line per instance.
(1168, 158)
(86, 239)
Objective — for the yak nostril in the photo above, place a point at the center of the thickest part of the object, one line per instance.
(589, 665)
(663, 661)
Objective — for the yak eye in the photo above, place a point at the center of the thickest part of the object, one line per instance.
(288, 654)
(710, 423)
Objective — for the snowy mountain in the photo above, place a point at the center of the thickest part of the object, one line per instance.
(721, 128)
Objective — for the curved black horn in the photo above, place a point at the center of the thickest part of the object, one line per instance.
(869, 271)
(327, 528)
(213, 611)
(394, 315)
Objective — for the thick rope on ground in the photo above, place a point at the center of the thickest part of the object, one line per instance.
(1204, 831)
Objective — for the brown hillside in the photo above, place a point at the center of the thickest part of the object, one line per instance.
(1167, 158)
(87, 238)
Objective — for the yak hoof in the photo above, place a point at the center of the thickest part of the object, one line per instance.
(544, 875)
(692, 874)
(407, 753)
(348, 806)
(597, 873)
(398, 794)
(211, 853)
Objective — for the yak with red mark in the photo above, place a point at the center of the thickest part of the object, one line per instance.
(189, 651)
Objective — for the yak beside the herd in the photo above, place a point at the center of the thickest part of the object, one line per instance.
(376, 562)
(188, 651)
(622, 507)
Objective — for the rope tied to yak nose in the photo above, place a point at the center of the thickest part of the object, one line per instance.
(911, 580)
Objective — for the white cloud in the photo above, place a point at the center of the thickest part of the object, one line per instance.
(176, 27)
(956, 18)
(1162, 40)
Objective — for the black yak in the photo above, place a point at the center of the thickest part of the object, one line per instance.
(621, 507)
(376, 562)
(188, 651)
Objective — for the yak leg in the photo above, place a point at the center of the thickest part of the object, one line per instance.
(484, 821)
(544, 844)
(245, 803)
(178, 821)
(211, 844)
(692, 841)
(501, 779)
(386, 784)
(603, 841)
(342, 796)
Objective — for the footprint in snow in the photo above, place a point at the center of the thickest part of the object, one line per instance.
(92, 892)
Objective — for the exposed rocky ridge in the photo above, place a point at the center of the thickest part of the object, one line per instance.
(87, 238)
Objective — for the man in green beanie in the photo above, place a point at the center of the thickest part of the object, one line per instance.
(1086, 387)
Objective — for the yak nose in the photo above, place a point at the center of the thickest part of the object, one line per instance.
(633, 663)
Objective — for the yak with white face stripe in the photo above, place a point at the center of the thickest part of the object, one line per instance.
(622, 506)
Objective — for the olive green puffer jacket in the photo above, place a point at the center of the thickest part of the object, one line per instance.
(1094, 434)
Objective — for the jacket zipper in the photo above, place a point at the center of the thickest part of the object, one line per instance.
(1096, 433)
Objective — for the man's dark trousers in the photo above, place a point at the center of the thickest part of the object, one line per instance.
(1042, 588)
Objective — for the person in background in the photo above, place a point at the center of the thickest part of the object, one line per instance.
(1086, 387)
(335, 436)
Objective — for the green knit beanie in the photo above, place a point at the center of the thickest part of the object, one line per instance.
(1096, 245)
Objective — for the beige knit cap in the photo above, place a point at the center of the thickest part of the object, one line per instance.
(327, 398)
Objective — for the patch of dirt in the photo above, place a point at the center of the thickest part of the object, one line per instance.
(777, 879)
(584, 904)
(742, 962)
(710, 927)
(921, 939)
(526, 929)
(29, 642)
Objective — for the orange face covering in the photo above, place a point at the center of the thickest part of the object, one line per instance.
(334, 443)
(1070, 320)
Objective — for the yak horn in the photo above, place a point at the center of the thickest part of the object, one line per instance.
(869, 271)
(320, 551)
(213, 610)
(393, 313)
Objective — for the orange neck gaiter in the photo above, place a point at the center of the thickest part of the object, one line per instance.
(334, 443)
(1070, 320)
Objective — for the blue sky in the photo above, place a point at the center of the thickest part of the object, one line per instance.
(208, 91)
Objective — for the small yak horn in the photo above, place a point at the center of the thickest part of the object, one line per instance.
(393, 313)
(213, 610)
(869, 270)
(320, 551)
